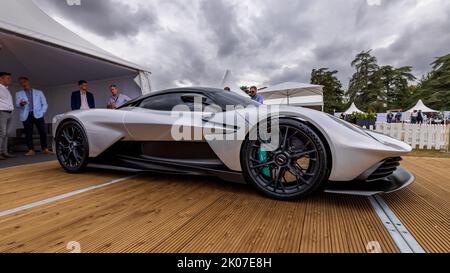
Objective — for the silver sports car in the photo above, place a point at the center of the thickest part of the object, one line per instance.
(283, 152)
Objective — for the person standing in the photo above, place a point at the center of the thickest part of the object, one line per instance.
(82, 99)
(398, 117)
(420, 117)
(33, 106)
(117, 99)
(254, 95)
(390, 117)
(6, 109)
(414, 117)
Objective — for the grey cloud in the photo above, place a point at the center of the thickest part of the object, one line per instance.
(108, 18)
(276, 40)
(418, 46)
(294, 74)
(221, 20)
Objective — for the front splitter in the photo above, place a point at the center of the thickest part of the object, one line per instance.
(400, 179)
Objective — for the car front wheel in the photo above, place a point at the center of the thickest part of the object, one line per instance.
(72, 148)
(294, 170)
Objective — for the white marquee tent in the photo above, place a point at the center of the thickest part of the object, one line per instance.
(352, 109)
(308, 101)
(32, 44)
(420, 106)
(293, 93)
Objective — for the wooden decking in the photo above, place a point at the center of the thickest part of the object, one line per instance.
(156, 213)
(424, 208)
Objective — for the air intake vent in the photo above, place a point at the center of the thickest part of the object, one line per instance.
(386, 169)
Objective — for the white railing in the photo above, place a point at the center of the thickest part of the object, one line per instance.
(422, 136)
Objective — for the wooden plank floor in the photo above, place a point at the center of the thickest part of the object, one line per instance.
(156, 213)
(424, 207)
(27, 184)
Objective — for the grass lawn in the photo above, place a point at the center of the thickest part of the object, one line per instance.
(429, 153)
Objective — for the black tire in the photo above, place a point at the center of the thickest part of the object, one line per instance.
(296, 169)
(72, 147)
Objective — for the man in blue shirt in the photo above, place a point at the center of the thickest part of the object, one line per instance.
(254, 95)
(117, 99)
(33, 106)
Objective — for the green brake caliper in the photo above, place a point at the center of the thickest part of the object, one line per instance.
(263, 158)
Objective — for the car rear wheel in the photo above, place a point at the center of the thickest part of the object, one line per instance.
(294, 170)
(72, 148)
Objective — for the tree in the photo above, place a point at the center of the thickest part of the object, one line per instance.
(434, 89)
(388, 77)
(332, 88)
(365, 88)
(395, 83)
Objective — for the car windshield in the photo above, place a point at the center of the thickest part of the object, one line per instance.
(232, 99)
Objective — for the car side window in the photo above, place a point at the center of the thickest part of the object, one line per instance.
(190, 100)
(168, 102)
(162, 103)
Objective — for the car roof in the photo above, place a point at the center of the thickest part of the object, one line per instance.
(175, 90)
(185, 89)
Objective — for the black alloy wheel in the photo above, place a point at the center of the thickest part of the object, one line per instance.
(72, 148)
(294, 170)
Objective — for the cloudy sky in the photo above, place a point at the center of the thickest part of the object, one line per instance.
(263, 42)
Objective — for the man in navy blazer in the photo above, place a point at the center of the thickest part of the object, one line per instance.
(82, 99)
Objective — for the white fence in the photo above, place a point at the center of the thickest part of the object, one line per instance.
(422, 136)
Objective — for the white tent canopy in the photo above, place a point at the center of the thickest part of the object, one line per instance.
(290, 90)
(352, 109)
(32, 44)
(308, 101)
(23, 17)
(420, 106)
(295, 94)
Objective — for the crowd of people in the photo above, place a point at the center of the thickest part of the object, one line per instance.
(418, 117)
(394, 118)
(32, 105)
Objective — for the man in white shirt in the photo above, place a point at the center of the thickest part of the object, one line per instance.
(6, 109)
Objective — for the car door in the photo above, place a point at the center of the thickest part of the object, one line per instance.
(155, 117)
(171, 126)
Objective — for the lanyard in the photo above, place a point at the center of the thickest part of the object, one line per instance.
(116, 99)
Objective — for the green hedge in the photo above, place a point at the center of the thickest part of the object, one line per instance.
(366, 116)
